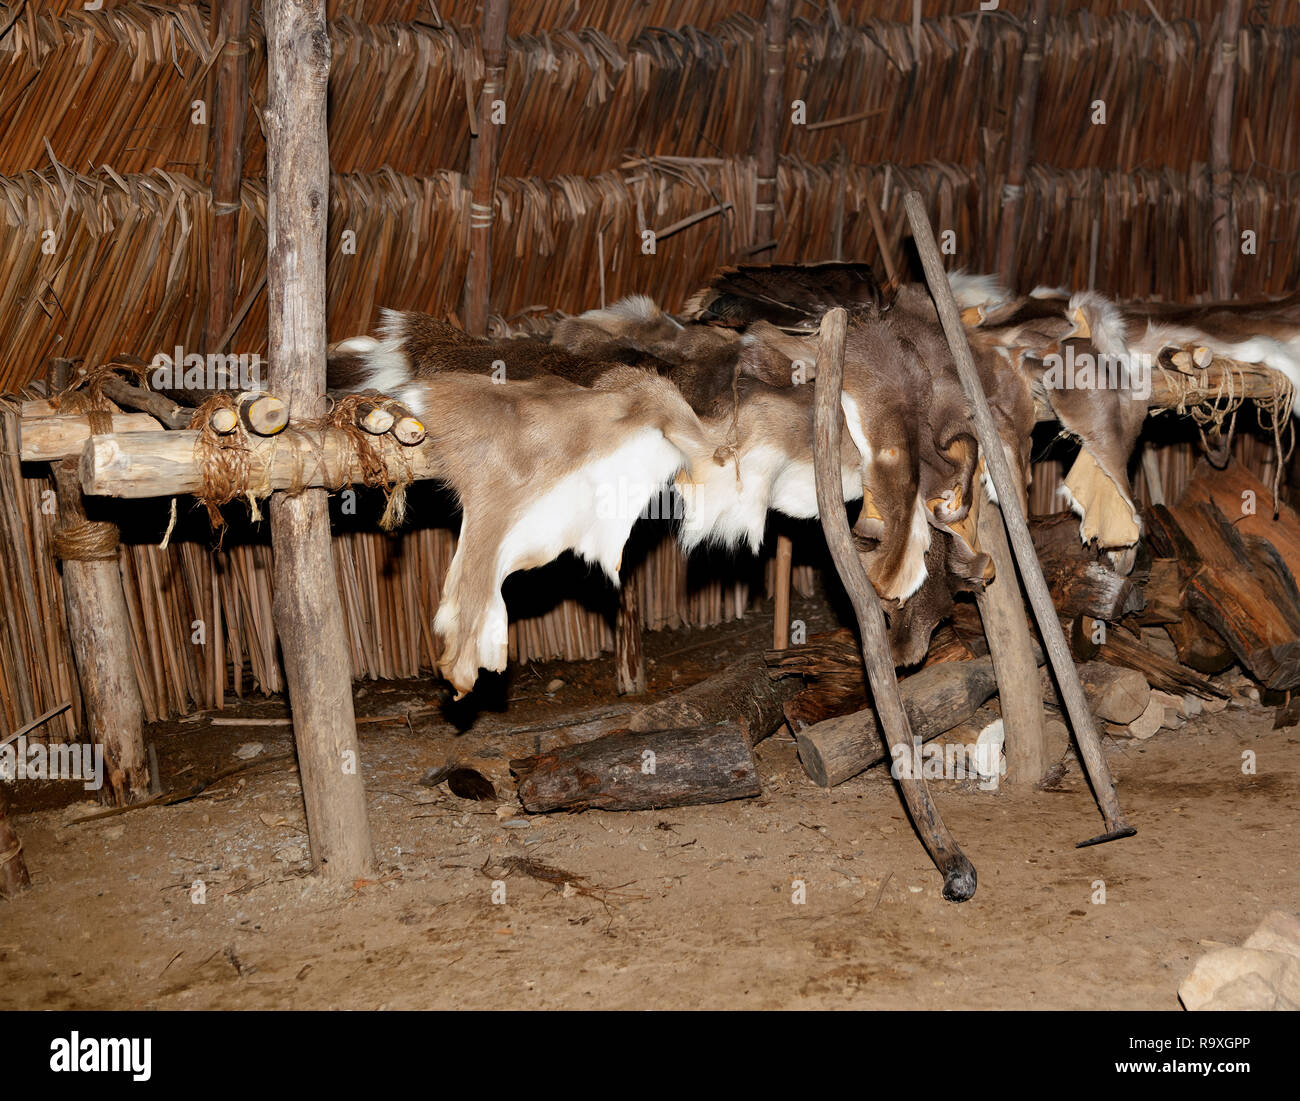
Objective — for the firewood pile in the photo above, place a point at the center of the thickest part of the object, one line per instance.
(1209, 617)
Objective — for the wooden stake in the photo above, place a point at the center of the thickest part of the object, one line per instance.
(483, 170)
(629, 645)
(995, 459)
(781, 587)
(309, 617)
(99, 631)
(958, 873)
(1012, 649)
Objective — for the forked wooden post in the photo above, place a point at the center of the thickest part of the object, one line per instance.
(308, 615)
(483, 170)
(958, 873)
(1031, 572)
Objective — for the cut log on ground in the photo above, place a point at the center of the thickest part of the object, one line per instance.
(1115, 694)
(935, 700)
(630, 771)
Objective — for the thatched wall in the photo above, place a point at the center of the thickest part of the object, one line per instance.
(623, 116)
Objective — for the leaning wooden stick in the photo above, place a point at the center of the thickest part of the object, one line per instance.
(958, 872)
(1031, 573)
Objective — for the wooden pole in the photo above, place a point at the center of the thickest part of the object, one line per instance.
(13, 868)
(231, 112)
(1022, 140)
(1011, 647)
(309, 617)
(483, 170)
(1031, 573)
(629, 645)
(1221, 152)
(958, 873)
(776, 34)
(99, 633)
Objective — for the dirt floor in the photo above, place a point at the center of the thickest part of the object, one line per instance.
(681, 908)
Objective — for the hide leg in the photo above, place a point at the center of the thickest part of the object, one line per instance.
(959, 877)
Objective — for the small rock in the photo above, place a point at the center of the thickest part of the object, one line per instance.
(114, 833)
(1263, 974)
(1192, 706)
(554, 686)
(516, 824)
(249, 750)
(290, 854)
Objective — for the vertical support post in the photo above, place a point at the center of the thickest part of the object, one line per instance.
(629, 650)
(99, 631)
(1221, 151)
(1022, 140)
(776, 35)
(483, 171)
(1012, 649)
(308, 615)
(13, 868)
(227, 167)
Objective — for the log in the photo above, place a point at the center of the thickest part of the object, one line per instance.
(14, 876)
(1115, 693)
(1078, 581)
(935, 700)
(999, 469)
(1199, 646)
(308, 614)
(163, 464)
(1162, 593)
(375, 416)
(742, 694)
(1238, 584)
(629, 643)
(1120, 648)
(1231, 489)
(53, 439)
(99, 631)
(666, 768)
(262, 414)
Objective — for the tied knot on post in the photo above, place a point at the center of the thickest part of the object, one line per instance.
(84, 394)
(86, 541)
(375, 470)
(224, 460)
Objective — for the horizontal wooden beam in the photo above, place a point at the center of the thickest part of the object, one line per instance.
(163, 464)
(49, 439)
